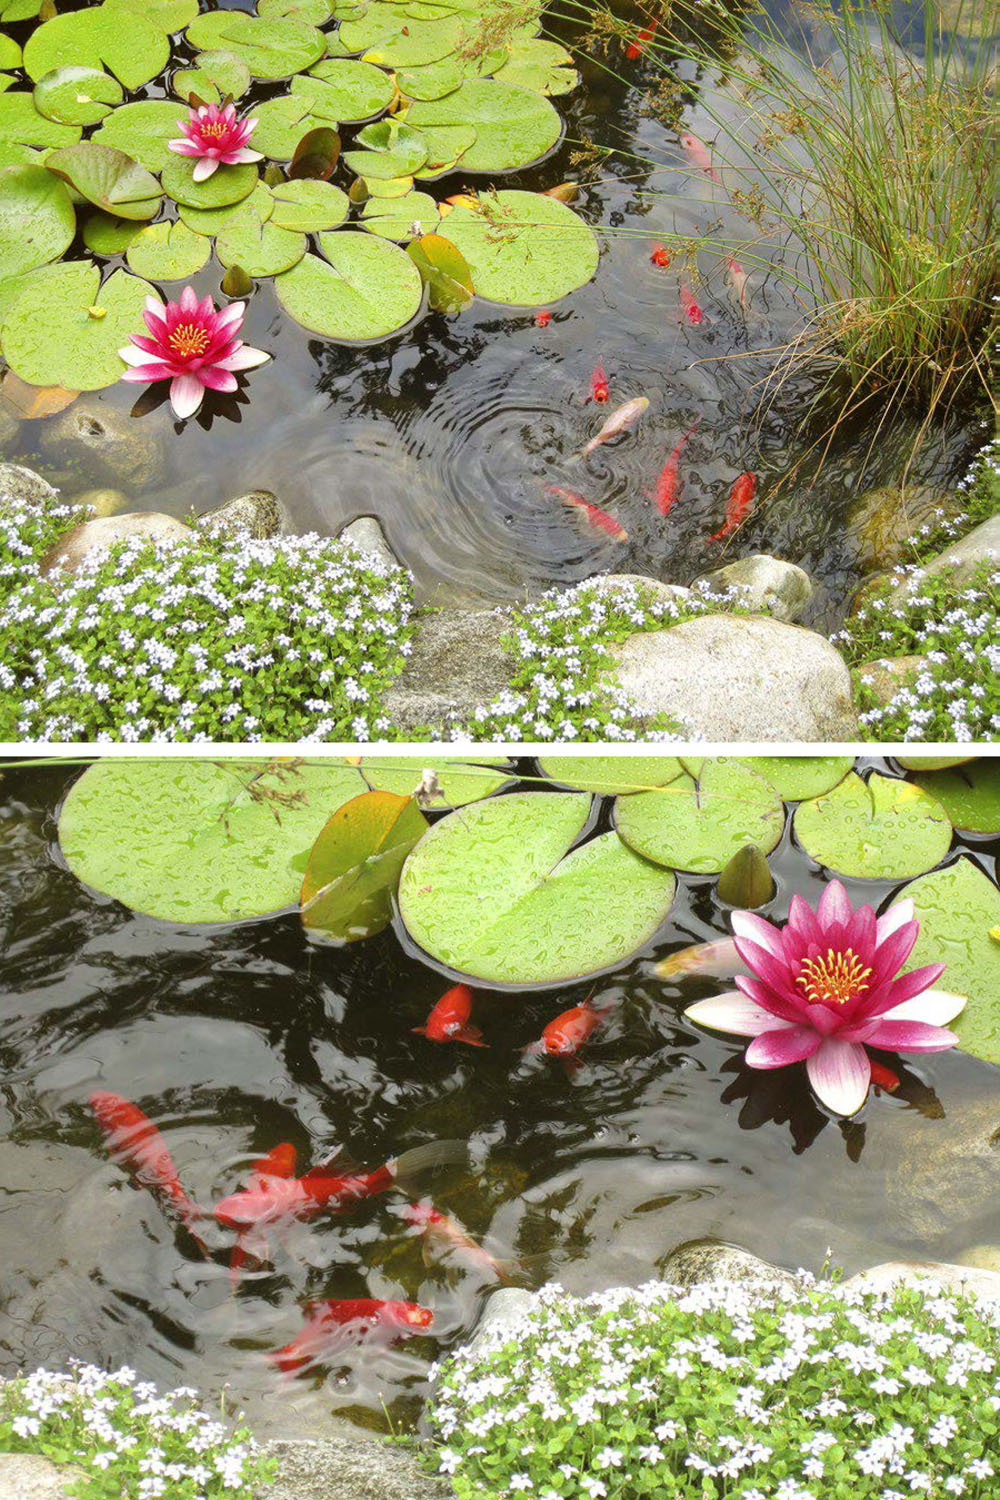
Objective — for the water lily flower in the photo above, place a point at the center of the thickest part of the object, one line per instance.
(191, 345)
(822, 990)
(217, 137)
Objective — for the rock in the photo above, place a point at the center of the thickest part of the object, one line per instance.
(101, 502)
(367, 535)
(963, 557)
(25, 1476)
(770, 584)
(986, 1257)
(884, 676)
(715, 1260)
(502, 1315)
(348, 1468)
(10, 429)
(103, 533)
(881, 522)
(260, 513)
(457, 663)
(971, 1280)
(18, 483)
(729, 677)
(652, 588)
(107, 444)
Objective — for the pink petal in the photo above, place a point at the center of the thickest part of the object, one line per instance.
(204, 168)
(233, 158)
(244, 359)
(910, 1036)
(187, 302)
(786, 1006)
(892, 953)
(184, 148)
(186, 392)
(147, 374)
(756, 930)
(834, 905)
(888, 996)
(772, 971)
(734, 1012)
(232, 313)
(897, 916)
(937, 1007)
(777, 1049)
(840, 1074)
(148, 346)
(218, 380)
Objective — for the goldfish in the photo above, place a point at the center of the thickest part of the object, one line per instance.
(690, 306)
(738, 280)
(660, 256)
(563, 1037)
(566, 192)
(251, 1248)
(543, 319)
(884, 1078)
(449, 1020)
(621, 419)
(599, 391)
(592, 514)
(635, 49)
(445, 1239)
(667, 486)
(135, 1142)
(698, 155)
(332, 1324)
(741, 498)
(717, 960)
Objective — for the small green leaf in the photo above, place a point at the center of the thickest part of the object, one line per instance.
(107, 178)
(882, 829)
(308, 205)
(77, 96)
(354, 866)
(37, 221)
(106, 235)
(401, 219)
(444, 272)
(219, 75)
(168, 252)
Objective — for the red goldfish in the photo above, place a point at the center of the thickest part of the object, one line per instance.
(660, 256)
(445, 1239)
(741, 498)
(592, 514)
(563, 1037)
(543, 319)
(635, 49)
(332, 1324)
(621, 419)
(738, 281)
(883, 1077)
(690, 306)
(599, 391)
(251, 1246)
(449, 1020)
(698, 155)
(135, 1142)
(668, 485)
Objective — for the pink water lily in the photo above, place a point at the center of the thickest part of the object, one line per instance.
(822, 990)
(193, 346)
(217, 137)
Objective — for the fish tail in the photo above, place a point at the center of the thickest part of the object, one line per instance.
(419, 1030)
(412, 1164)
(471, 1035)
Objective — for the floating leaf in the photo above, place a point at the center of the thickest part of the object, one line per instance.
(76, 95)
(524, 249)
(956, 908)
(37, 221)
(357, 90)
(168, 252)
(433, 80)
(746, 882)
(355, 864)
(142, 130)
(261, 248)
(970, 796)
(52, 334)
(543, 66)
(514, 126)
(31, 402)
(199, 841)
(308, 205)
(17, 10)
(388, 187)
(882, 829)
(393, 40)
(401, 148)
(134, 50)
(611, 774)
(403, 218)
(107, 178)
(316, 155)
(271, 46)
(21, 124)
(366, 288)
(219, 75)
(798, 776)
(225, 186)
(699, 824)
(444, 271)
(316, 12)
(932, 762)
(282, 122)
(10, 51)
(214, 220)
(11, 287)
(106, 235)
(168, 15)
(459, 781)
(496, 891)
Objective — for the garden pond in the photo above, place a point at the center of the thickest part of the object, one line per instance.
(236, 1036)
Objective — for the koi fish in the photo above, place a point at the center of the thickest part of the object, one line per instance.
(667, 486)
(565, 192)
(563, 1037)
(135, 1142)
(620, 420)
(690, 306)
(543, 319)
(449, 1020)
(884, 1078)
(718, 960)
(741, 498)
(698, 155)
(660, 256)
(635, 49)
(252, 1247)
(737, 278)
(445, 1239)
(592, 514)
(332, 1324)
(599, 391)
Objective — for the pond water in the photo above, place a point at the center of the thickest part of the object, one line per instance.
(234, 1039)
(450, 431)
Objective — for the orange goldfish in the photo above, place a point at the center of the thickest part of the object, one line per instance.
(599, 391)
(449, 1020)
(636, 48)
(543, 318)
(690, 306)
(445, 1238)
(660, 256)
(741, 498)
(698, 155)
(134, 1141)
(334, 1323)
(563, 1037)
(668, 484)
(252, 1248)
(738, 281)
(620, 420)
(592, 514)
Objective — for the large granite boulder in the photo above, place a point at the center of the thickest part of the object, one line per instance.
(456, 664)
(103, 533)
(770, 584)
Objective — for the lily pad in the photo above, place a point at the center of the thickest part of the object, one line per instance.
(108, 178)
(796, 777)
(543, 66)
(37, 220)
(524, 249)
(21, 124)
(66, 328)
(135, 51)
(271, 46)
(388, 187)
(394, 40)
(970, 795)
(611, 774)
(261, 247)
(497, 892)
(358, 90)
(957, 907)
(219, 75)
(214, 220)
(168, 252)
(77, 96)
(366, 288)
(11, 287)
(355, 864)
(308, 205)
(282, 122)
(444, 271)
(225, 186)
(316, 12)
(882, 829)
(699, 824)
(106, 235)
(18, 10)
(460, 781)
(199, 841)
(403, 218)
(168, 16)
(142, 130)
(514, 126)
(433, 80)
(403, 147)
(10, 51)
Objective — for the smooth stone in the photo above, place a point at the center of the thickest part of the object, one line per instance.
(699, 1261)
(881, 522)
(26, 1476)
(972, 1280)
(348, 1468)
(502, 1316)
(367, 536)
(456, 664)
(963, 557)
(885, 675)
(19, 484)
(10, 428)
(653, 588)
(106, 502)
(781, 588)
(984, 1257)
(731, 677)
(108, 444)
(258, 514)
(100, 535)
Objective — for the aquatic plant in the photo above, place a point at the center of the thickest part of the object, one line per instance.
(193, 346)
(825, 988)
(725, 1389)
(215, 137)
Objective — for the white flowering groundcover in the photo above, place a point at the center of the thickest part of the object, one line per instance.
(727, 1392)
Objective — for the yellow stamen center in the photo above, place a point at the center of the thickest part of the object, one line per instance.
(188, 340)
(216, 128)
(833, 978)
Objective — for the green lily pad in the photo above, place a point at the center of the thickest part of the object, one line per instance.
(199, 841)
(957, 907)
(366, 288)
(308, 205)
(219, 75)
(142, 130)
(107, 178)
(271, 46)
(10, 51)
(970, 795)
(497, 892)
(225, 186)
(21, 124)
(460, 781)
(135, 51)
(393, 40)
(11, 287)
(106, 235)
(77, 96)
(796, 777)
(403, 218)
(37, 221)
(882, 829)
(932, 762)
(359, 90)
(612, 775)
(18, 10)
(545, 67)
(315, 12)
(168, 252)
(66, 329)
(398, 142)
(514, 126)
(699, 824)
(444, 272)
(214, 220)
(284, 121)
(355, 864)
(433, 80)
(261, 247)
(168, 16)
(389, 187)
(524, 249)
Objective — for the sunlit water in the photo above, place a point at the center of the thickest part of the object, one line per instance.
(235, 1038)
(450, 431)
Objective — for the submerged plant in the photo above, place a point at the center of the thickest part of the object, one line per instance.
(215, 137)
(823, 989)
(192, 345)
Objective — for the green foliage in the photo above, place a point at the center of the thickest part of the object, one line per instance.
(882, 828)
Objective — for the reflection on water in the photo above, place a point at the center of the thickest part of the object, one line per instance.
(235, 1039)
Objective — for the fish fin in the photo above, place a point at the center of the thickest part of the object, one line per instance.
(419, 1030)
(533, 1049)
(420, 1159)
(338, 1164)
(250, 1252)
(570, 1066)
(470, 1035)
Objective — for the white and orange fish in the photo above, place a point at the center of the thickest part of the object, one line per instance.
(621, 419)
(698, 155)
(594, 516)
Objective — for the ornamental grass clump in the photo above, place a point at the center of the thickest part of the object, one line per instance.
(728, 1392)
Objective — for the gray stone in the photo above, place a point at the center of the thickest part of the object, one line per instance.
(698, 1261)
(769, 583)
(102, 502)
(502, 1315)
(348, 1468)
(653, 588)
(731, 677)
(881, 522)
(108, 444)
(986, 1257)
(18, 484)
(259, 513)
(10, 428)
(367, 535)
(103, 533)
(885, 675)
(972, 1280)
(456, 664)
(25, 1476)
